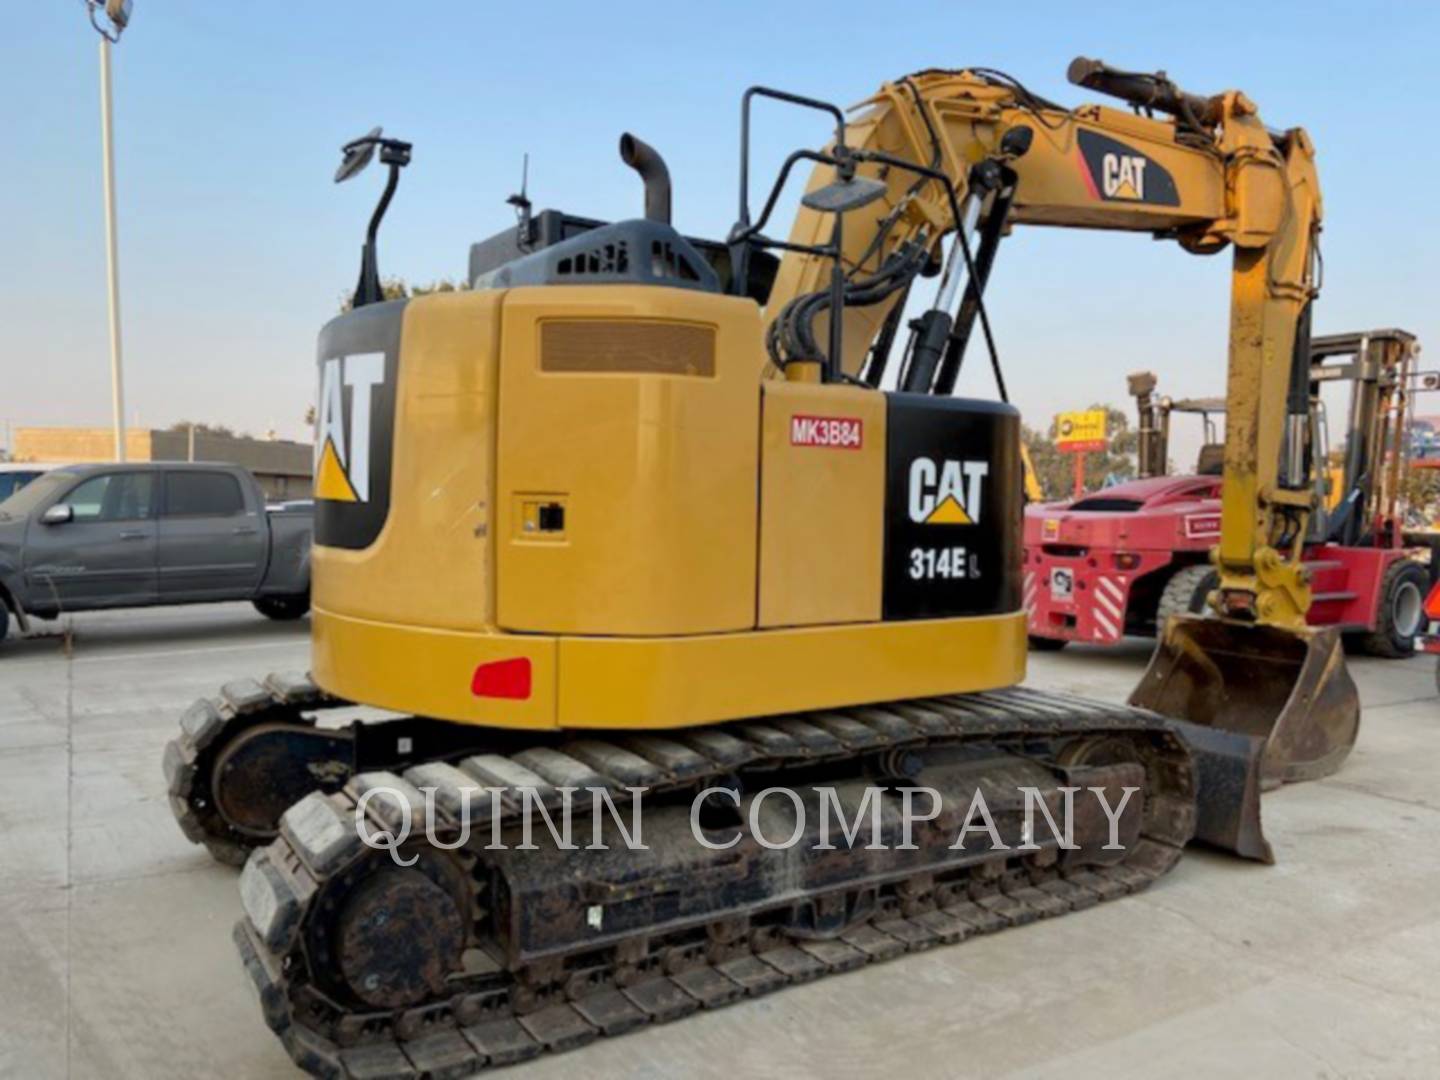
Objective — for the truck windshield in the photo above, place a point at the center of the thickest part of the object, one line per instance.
(22, 502)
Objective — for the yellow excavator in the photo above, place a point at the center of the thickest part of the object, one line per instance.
(1033, 491)
(633, 516)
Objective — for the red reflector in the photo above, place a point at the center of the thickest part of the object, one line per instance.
(1432, 602)
(1126, 560)
(503, 679)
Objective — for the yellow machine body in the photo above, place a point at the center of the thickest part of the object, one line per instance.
(650, 505)
(618, 485)
(594, 486)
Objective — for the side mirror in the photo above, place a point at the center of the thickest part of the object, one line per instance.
(842, 196)
(59, 514)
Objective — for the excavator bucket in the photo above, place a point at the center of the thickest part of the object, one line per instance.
(1260, 706)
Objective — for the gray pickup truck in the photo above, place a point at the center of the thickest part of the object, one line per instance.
(105, 536)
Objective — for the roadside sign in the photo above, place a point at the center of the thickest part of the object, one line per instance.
(1078, 432)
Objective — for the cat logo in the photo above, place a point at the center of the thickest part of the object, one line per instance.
(947, 493)
(1113, 171)
(1122, 176)
(342, 460)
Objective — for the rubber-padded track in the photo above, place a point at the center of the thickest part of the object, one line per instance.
(210, 725)
(284, 883)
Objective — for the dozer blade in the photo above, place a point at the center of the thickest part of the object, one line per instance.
(1260, 706)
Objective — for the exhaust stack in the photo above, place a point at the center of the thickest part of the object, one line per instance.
(645, 160)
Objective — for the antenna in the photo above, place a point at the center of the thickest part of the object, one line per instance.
(521, 202)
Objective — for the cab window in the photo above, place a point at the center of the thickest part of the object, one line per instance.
(202, 494)
(113, 497)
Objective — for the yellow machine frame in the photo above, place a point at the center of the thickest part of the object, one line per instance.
(673, 594)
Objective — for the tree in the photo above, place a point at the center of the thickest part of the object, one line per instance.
(1420, 494)
(395, 288)
(1055, 469)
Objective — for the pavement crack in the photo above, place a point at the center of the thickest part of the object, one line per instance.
(1400, 704)
(1205, 928)
(1357, 789)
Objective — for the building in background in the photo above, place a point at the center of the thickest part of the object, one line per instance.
(283, 468)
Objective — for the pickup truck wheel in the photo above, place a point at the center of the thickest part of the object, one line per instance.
(1402, 611)
(283, 608)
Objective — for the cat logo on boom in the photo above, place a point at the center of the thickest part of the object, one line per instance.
(1123, 176)
(1116, 172)
(342, 457)
(946, 492)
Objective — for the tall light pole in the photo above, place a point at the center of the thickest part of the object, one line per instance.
(117, 14)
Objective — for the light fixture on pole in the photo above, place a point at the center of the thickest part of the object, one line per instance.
(116, 18)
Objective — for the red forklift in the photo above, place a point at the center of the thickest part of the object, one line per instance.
(1121, 560)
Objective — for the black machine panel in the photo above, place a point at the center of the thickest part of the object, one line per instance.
(359, 358)
(953, 504)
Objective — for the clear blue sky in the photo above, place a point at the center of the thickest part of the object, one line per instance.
(236, 246)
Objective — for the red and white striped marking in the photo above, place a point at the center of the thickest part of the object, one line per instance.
(1028, 593)
(1109, 609)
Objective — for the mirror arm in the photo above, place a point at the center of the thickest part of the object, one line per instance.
(368, 289)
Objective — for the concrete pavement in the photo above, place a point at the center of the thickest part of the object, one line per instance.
(115, 958)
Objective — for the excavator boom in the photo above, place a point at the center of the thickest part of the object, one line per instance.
(1208, 175)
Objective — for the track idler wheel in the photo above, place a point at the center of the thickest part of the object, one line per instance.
(242, 759)
(267, 769)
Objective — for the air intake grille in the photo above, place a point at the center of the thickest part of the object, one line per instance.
(637, 348)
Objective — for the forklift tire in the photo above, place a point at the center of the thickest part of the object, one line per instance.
(1402, 611)
(1185, 593)
(1047, 644)
(4, 619)
(283, 608)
